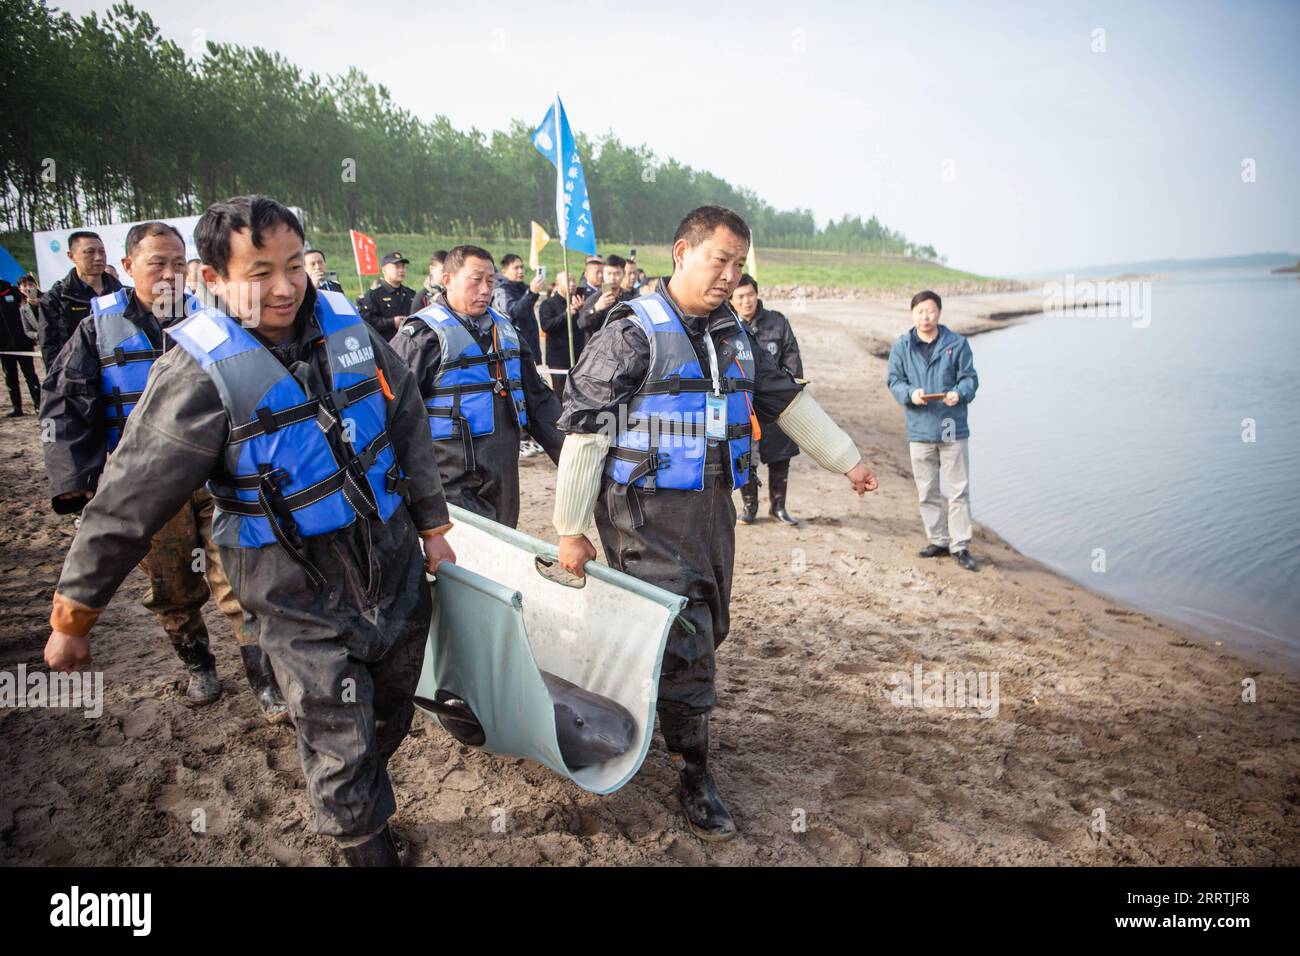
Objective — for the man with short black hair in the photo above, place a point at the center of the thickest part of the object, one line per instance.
(90, 394)
(316, 271)
(517, 301)
(932, 375)
(314, 443)
(592, 271)
(386, 306)
(67, 302)
(596, 308)
(659, 414)
(480, 387)
(771, 332)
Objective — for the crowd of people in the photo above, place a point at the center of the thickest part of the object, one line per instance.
(239, 406)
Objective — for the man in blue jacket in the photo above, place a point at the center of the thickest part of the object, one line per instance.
(932, 375)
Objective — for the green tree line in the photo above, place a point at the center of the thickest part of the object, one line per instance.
(110, 121)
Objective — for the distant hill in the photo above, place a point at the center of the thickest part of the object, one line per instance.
(1255, 260)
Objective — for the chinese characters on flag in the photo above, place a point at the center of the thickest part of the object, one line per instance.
(366, 253)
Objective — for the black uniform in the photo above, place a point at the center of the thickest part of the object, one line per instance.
(773, 335)
(13, 338)
(683, 541)
(552, 316)
(491, 487)
(329, 285)
(63, 307)
(382, 304)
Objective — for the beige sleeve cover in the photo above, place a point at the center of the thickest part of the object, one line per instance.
(577, 481)
(813, 431)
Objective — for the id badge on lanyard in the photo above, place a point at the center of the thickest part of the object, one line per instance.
(715, 406)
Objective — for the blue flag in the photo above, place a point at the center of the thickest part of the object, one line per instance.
(554, 140)
(11, 269)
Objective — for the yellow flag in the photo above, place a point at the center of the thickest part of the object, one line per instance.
(540, 239)
(751, 263)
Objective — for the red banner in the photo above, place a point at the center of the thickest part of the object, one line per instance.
(365, 252)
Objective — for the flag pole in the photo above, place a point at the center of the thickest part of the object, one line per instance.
(568, 305)
(356, 261)
(561, 213)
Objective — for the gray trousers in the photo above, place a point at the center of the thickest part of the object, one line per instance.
(947, 523)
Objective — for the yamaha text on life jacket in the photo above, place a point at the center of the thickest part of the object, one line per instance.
(296, 465)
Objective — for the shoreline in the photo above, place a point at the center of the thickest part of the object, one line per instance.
(977, 314)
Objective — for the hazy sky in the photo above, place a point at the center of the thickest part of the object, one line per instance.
(993, 131)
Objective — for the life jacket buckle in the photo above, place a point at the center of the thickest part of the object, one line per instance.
(267, 418)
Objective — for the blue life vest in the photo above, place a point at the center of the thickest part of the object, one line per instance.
(462, 405)
(125, 357)
(661, 441)
(283, 480)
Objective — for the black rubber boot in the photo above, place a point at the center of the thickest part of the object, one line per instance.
(379, 850)
(204, 687)
(749, 495)
(261, 680)
(688, 739)
(778, 479)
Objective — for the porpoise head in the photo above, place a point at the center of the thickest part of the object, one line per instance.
(590, 728)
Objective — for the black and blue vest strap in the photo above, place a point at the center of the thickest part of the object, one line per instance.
(627, 494)
(457, 390)
(299, 499)
(675, 385)
(120, 356)
(275, 509)
(495, 355)
(268, 421)
(645, 463)
(356, 485)
(459, 423)
(115, 411)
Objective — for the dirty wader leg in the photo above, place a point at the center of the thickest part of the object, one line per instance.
(685, 544)
(261, 679)
(348, 667)
(177, 593)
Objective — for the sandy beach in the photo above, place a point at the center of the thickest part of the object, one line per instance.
(1116, 738)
